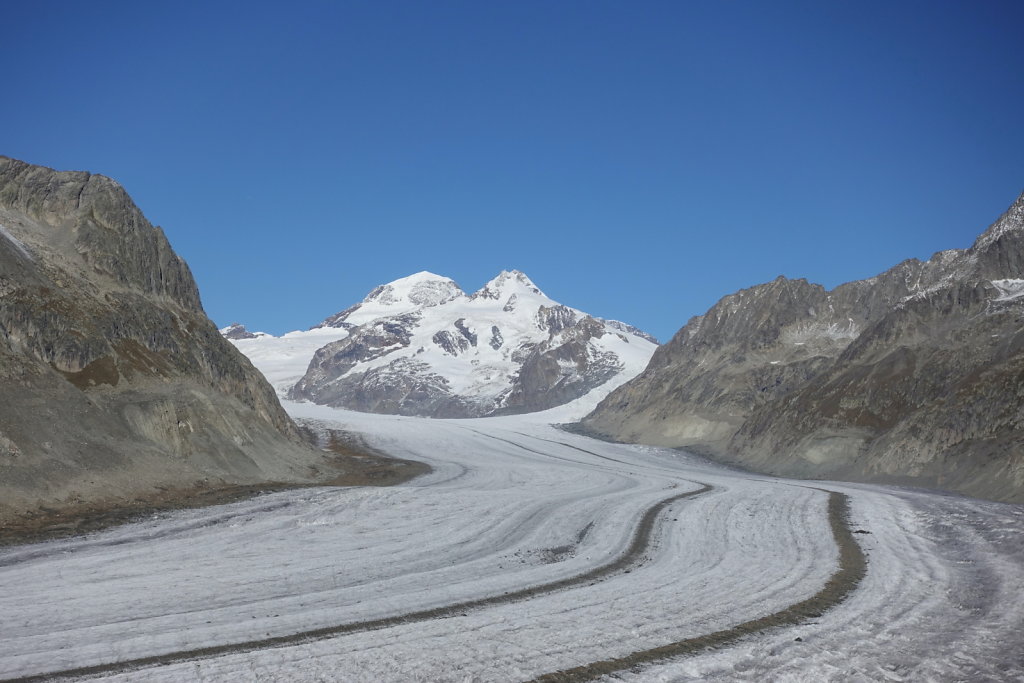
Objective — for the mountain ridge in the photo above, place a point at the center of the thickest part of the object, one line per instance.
(420, 345)
(857, 382)
(116, 385)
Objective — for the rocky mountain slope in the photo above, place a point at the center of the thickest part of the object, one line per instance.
(913, 376)
(237, 331)
(115, 384)
(422, 346)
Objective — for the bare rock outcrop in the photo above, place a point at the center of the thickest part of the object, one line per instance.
(237, 331)
(913, 376)
(115, 383)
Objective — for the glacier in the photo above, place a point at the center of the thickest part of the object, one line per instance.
(514, 502)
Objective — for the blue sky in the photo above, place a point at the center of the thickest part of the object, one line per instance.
(638, 160)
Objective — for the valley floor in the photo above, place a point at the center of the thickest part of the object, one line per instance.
(523, 552)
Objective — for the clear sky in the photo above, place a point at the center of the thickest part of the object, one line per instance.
(638, 160)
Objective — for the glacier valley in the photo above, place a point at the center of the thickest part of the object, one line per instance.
(406, 583)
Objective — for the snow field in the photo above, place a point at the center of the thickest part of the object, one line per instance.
(283, 360)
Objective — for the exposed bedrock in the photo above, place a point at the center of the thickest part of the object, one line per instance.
(915, 376)
(114, 381)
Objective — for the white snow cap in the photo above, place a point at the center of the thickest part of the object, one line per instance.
(476, 343)
(507, 283)
(422, 289)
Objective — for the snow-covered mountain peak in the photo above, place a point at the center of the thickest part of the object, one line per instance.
(421, 289)
(398, 297)
(506, 284)
(420, 346)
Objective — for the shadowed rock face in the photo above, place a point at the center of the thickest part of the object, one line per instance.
(561, 368)
(114, 381)
(914, 376)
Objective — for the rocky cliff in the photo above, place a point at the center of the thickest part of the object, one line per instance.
(114, 383)
(914, 376)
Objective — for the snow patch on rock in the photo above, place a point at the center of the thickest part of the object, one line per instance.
(1009, 289)
(18, 245)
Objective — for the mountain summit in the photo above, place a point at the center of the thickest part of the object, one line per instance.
(420, 290)
(421, 346)
(507, 283)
